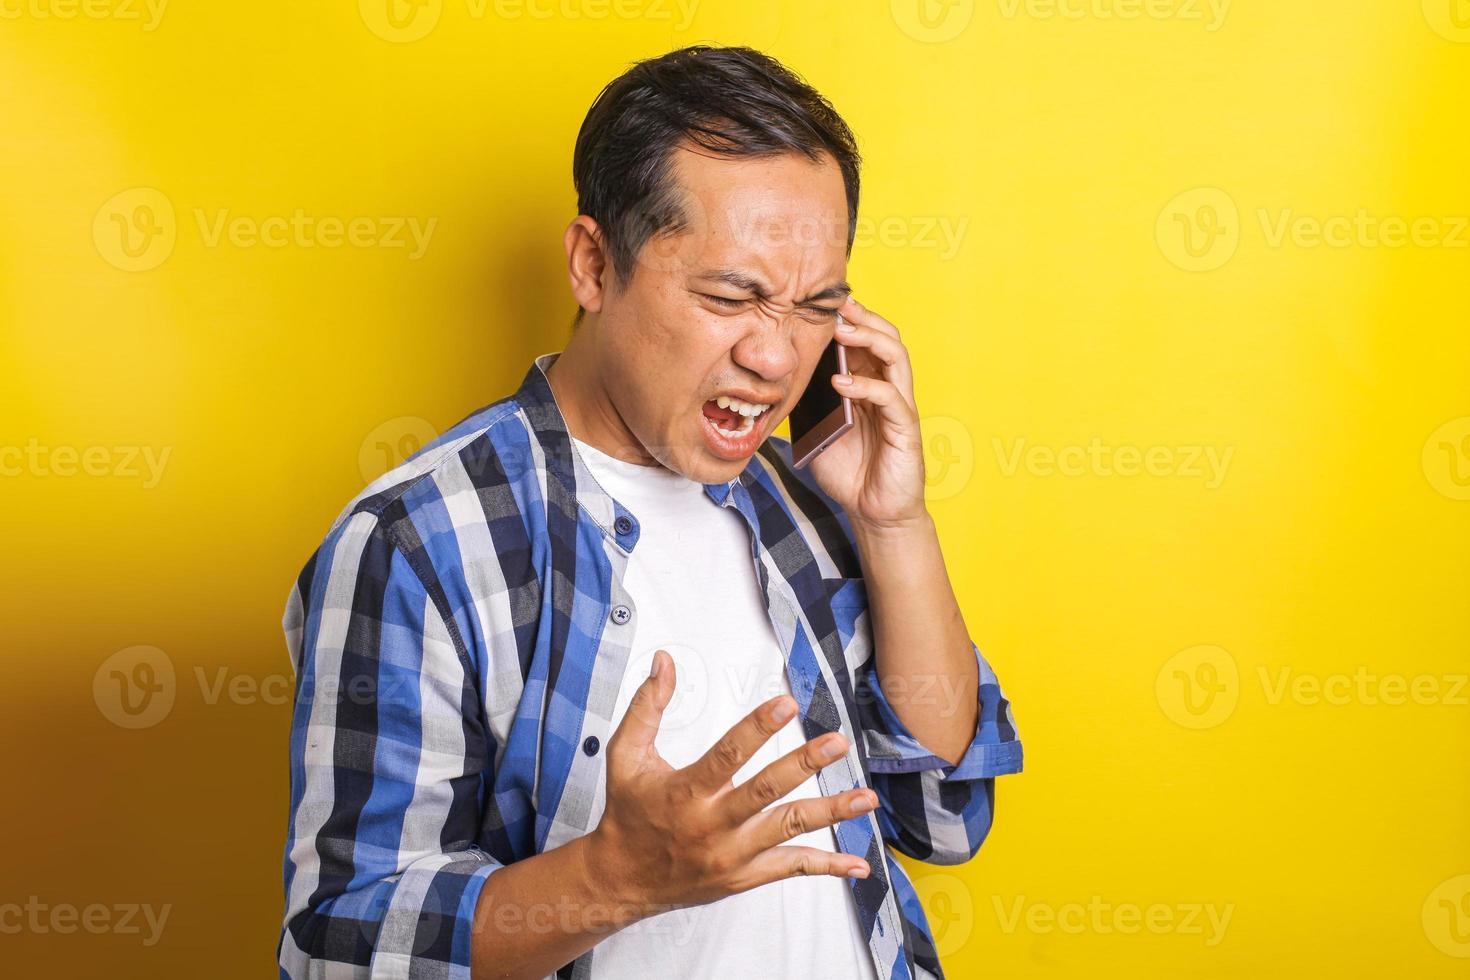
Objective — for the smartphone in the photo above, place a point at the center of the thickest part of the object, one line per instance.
(821, 415)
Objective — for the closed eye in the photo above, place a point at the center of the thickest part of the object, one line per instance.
(725, 302)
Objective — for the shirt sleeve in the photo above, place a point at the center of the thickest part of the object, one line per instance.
(930, 809)
(387, 764)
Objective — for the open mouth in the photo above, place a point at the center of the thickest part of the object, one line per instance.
(728, 419)
(732, 427)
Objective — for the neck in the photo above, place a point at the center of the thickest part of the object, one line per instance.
(581, 394)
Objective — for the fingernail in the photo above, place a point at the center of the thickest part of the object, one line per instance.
(857, 872)
(844, 327)
(783, 711)
(842, 379)
(862, 804)
(833, 749)
(653, 671)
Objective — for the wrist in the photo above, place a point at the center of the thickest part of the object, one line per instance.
(882, 534)
(608, 879)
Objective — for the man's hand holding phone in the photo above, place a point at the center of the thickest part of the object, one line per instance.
(876, 471)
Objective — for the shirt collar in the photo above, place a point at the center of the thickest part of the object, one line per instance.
(565, 464)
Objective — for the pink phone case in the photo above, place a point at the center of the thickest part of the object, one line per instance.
(831, 428)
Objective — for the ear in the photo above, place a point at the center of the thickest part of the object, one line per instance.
(587, 262)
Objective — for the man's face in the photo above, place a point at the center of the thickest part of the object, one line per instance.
(741, 302)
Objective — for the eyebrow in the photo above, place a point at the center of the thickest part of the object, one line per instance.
(742, 280)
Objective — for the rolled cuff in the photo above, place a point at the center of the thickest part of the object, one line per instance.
(995, 749)
(430, 918)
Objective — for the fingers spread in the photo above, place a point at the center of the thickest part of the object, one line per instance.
(778, 779)
(714, 770)
(782, 823)
(788, 861)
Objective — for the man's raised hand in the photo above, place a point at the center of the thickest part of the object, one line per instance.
(679, 837)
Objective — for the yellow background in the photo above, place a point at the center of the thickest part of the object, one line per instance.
(1142, 624)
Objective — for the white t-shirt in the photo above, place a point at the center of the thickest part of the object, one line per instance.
(692, 579)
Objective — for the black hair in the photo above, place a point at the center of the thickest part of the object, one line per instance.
(732, 101)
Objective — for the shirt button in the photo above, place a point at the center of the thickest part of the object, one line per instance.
(624, 525)
(621, 614)
(589, 744)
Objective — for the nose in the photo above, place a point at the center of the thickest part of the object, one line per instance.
(767, 349)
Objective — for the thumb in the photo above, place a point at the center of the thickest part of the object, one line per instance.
(639, 726)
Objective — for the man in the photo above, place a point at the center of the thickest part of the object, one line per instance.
(597, 684)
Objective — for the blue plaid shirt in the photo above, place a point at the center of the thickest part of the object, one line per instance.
(459, 640)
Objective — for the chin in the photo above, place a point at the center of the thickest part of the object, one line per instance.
(708, 468)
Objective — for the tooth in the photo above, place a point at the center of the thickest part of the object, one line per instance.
(747, 409)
